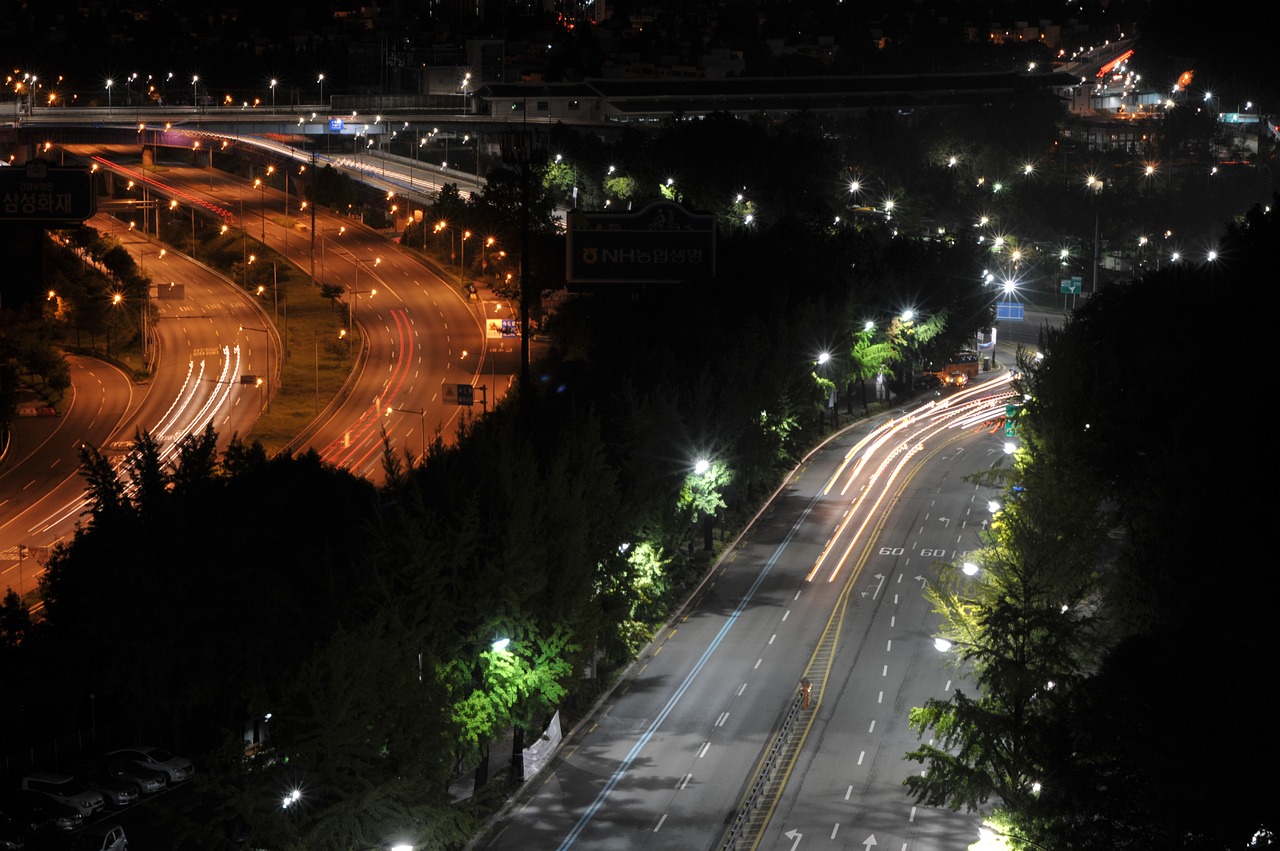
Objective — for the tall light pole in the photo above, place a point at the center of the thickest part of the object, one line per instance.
(269, 364)
(356, 292)
(262, 205)
(1096, 185)
(146, 301)
(462, 257)
(110, 83)
(320, 80)
(274, 83)
(422, 425)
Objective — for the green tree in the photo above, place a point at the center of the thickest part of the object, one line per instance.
(701, 496)
(1024, 627)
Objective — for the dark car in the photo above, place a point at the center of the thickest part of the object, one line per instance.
(929, 381)
(147, 780)
(176, 768)
(12, 836)
(38, 816)
(116, 788)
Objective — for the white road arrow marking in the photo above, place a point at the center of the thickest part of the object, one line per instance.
(794, 835)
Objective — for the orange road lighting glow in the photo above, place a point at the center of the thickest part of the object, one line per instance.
(1110, 66)
(1184, 80)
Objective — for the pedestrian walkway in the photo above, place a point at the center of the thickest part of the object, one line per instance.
(463, 785)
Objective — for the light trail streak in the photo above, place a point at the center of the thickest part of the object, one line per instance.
(898, 441)
(170, 447)
(362, 440)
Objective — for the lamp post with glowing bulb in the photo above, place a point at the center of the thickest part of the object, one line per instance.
(269, 363)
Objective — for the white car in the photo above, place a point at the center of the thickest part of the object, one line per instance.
(102, 837)
(66, 790)
(176, 768)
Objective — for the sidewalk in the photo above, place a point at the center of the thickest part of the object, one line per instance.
(462, 787)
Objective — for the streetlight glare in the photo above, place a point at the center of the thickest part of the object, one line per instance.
(702, 466)
(969, 568)
(941, 644)
(501, 644)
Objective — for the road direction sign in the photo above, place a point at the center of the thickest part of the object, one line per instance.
(457, 394)
(1010, 311)
(39, 192)
(1011, 419)
(1070, 285)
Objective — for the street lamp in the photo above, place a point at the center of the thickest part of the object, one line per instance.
(463, 235)
(320, 80)
(269, 364)
(821, 362)
(116, 299)
(355, 292)
(173, 206)
(275, 290)
(110, 83)
(146, 302)
(262, 205)
(422, 427)
(274, 82)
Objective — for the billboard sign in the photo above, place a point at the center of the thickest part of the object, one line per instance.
(1010, 311)
(662, 243)
(39, 192)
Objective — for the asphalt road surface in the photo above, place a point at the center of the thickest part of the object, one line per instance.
(825, 585)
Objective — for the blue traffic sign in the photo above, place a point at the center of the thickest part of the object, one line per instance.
(1010, 311)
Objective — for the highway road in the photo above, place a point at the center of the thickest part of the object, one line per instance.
(201, 355)
(825, 585)
(419, 335)
(419, 332)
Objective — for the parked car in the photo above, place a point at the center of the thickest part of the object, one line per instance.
(117, 790)
(176, 768)
(38, 815)
(64, 789)
(101, 837)
(12, 836)
(147, 780)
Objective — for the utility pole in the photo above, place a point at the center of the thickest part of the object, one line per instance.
(313, 219)
(522, 149)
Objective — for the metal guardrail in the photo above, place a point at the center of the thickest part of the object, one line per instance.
(764, 774)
